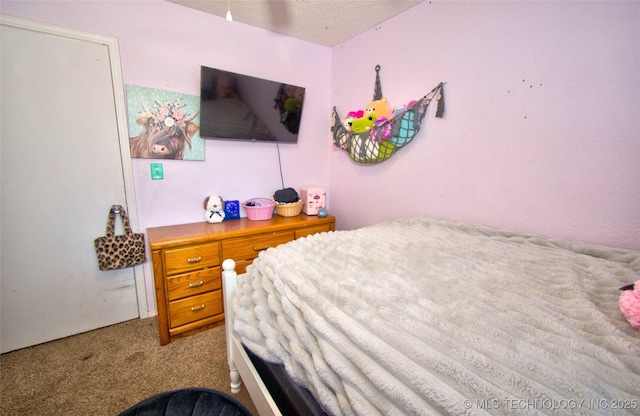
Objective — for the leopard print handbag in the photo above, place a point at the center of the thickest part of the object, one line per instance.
(119, 251)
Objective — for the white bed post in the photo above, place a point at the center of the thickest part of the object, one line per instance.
(229, 281)
(239, 361)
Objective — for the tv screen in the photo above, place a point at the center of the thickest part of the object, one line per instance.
(240, 107)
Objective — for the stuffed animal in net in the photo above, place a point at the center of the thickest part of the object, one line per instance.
(379, 108)
(630, 303)
(363, 124)
(214, 209)
(391, 130)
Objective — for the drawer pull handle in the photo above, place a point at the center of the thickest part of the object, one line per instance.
(260, 249)
(195, 260)
(197, 308)
(192, 285)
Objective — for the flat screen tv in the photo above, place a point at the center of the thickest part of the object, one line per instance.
(241, 107)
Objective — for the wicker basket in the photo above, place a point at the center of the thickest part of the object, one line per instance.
(262, 210)
(289, 210)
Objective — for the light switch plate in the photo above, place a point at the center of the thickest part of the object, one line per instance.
(156, 171)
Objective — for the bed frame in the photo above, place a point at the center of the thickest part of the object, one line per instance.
(241, 368)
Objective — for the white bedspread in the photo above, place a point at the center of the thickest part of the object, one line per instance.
(426, 317)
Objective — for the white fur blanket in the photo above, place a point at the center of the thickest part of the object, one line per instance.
(426, 317)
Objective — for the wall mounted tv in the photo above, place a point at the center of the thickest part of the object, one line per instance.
(240, 107)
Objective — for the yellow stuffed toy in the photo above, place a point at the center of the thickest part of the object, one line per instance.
(380, 108)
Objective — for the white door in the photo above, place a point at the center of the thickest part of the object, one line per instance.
(61, 170)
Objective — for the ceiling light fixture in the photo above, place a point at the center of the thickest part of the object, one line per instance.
(229, 17)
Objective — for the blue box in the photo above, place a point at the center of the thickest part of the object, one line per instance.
(231, 210)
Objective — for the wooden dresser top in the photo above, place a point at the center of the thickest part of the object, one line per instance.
(199, 232)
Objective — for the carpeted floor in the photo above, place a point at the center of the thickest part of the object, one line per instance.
(104, 372)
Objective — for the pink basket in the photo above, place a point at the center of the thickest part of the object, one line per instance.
(262, 210)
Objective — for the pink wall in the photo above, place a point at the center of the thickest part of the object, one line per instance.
(542, 125)
(162, 45)
(541, 133)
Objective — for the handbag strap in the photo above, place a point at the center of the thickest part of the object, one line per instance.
(111, 222)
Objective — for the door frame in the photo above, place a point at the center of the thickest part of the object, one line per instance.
(121, 118)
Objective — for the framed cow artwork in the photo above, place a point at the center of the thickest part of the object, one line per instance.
(163, 124)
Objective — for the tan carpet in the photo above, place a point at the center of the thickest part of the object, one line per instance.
(105, 371)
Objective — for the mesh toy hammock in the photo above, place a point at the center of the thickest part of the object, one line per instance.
(386, 137)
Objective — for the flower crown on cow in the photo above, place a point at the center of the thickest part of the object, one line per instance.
(167, 115)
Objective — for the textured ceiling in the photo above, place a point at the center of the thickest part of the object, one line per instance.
(323, 22)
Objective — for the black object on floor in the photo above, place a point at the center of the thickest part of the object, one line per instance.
(188, 402)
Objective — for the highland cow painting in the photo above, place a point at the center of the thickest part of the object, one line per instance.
(163, 124)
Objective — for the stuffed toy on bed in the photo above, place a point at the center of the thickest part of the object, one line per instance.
(214, 209)
(630, 303)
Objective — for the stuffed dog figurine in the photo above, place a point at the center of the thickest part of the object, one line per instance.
(214, 209)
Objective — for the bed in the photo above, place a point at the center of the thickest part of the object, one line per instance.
(421, 316)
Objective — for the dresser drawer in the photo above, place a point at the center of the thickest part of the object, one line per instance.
(194, 308)
(303, 232)
(194, 283)
(249, 247)
(241, 266)
(184, 259)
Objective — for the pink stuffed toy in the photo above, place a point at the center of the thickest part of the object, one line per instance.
(630, 303)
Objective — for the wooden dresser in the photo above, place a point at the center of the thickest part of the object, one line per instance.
(186, 265)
